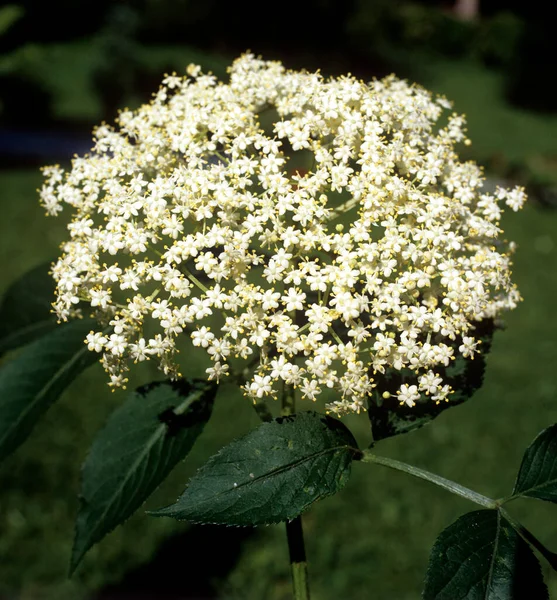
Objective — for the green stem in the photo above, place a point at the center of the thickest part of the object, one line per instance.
(469, 494)
(294, 531)
(298, 561)
(531, 539)
(447, 484)
(506, 499)
(194, 279)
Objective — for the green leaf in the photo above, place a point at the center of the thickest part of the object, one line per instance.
(388, 418)
(26, 309)
(537, 477)
(32, 381)
(481, 557)
(141, 443)
(272, 474)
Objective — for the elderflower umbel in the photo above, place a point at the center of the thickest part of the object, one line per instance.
(323, 230)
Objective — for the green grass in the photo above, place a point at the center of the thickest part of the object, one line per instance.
(370, 541)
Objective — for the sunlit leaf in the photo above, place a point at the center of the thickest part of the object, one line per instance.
(272, 474)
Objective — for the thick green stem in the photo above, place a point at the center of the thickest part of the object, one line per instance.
(298, 561)
(294, 531)
(447, 484)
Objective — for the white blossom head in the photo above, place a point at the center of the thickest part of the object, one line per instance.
(315, 231)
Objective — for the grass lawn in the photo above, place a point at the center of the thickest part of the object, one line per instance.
(370, 541)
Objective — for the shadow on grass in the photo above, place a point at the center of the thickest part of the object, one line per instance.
(189, 566)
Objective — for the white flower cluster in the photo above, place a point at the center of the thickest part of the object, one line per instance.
(324, 230)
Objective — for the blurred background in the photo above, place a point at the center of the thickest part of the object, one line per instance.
(65, 66)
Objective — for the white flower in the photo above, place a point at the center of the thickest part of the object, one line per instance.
(294, 299)
(280, 368)
(191, 202)
(468, 347)
(408, 394)
(217, 371)
(96, 341)
(260, 386)
(269, 300)
(430, 382)
(202, 337)
(100, 297)
(516, 198)
(310, 389)
(116, 344)
(139, 351)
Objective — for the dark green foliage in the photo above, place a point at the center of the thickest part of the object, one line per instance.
(464, 375)
(31, 382)
(26, 309)
(272, 474)
(142, 442)
(537, 477)
(481, 557)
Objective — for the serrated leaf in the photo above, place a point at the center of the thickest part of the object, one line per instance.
(481, 557)
(537, 477)
(33, 380)
(270, 475)
(388, 418)
(26, 309)
(141, 443)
